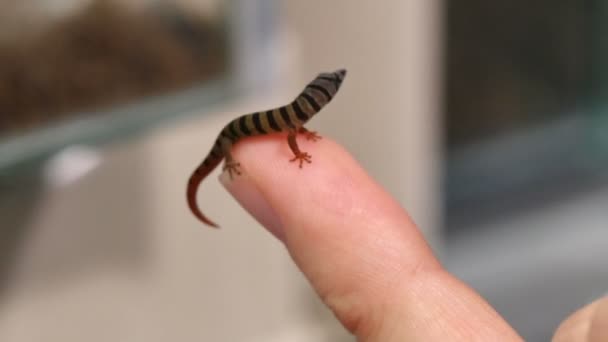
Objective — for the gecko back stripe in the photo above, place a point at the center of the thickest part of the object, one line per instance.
(237, 128)
(233, 131)
(272, 122)
(265, 124)
(251, 125)
(322, 90)
(332, 80)
(312, 102)
(299, 112)
(243, 125)
(285, 116)
(225, 134)
(258, 123)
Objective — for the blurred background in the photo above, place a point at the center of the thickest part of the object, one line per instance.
(492, 117)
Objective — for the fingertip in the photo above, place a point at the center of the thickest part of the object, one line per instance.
(246, 192)
(357, 246)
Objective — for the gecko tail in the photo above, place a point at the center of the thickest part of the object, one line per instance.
(201, 172)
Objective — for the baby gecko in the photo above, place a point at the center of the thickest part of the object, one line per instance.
(289, 118)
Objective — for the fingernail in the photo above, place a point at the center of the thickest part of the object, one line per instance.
(245, 191)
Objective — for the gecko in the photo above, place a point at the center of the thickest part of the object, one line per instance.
(288, 119)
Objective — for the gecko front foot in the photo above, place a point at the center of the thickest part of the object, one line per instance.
(302, 157)
(232, 166)
(310, 135)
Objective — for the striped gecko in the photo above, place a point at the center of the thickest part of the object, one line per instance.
(289, 118)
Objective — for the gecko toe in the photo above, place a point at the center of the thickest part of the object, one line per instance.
(301, 158)
(232, 167)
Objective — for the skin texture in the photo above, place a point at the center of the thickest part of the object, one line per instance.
(361, 251)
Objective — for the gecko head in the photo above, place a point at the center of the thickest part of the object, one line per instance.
(337, 77)
(340, 74)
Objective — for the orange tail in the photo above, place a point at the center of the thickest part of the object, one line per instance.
(196, 178)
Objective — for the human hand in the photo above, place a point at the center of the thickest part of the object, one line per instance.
(365, 257)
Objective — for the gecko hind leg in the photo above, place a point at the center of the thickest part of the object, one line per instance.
(231, 165)
(298, 155)
(310, 135)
